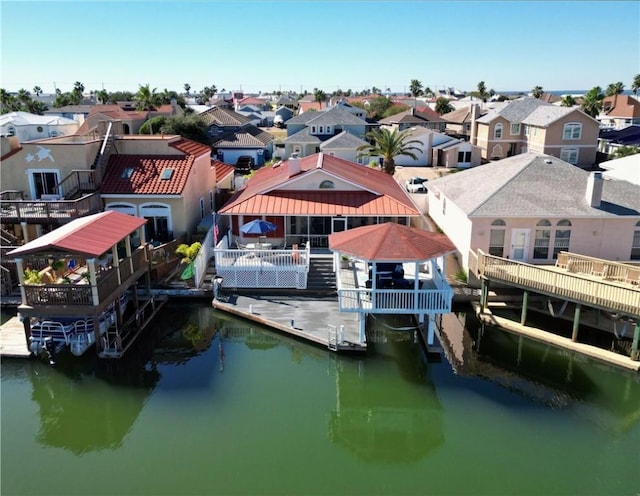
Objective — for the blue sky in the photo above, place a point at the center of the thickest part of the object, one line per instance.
(295, 45)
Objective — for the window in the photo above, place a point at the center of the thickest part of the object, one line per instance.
(527, 130)
(496, 238)
(44, 183)
(497, 131)
(569, 155)
(297, 149)
(202, 208)
(166, 174)
(313, 130)
(327, 184)
(562, 238)
(464, 157)
(211, 201)
(572, 131)
(635, 245)
(39, 129)
(127, 173)
(11, 131)
(515, 129)
(320, 130)
(542, 241)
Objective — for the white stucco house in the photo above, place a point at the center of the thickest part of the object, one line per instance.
(29, 127)
(531, 206)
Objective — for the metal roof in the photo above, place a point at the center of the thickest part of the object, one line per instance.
(90, 236)
(391, 242)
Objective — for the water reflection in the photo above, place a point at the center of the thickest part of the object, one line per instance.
(554, 377)
(379, 418)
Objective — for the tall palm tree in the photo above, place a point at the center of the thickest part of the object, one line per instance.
(187, 88)
(482, 91)
(615, 88)
(537, 91)
(319, 96)
(102, 96)
(388, 145)
(443, 106)
(568, 101)
(415, 87)
(146, 98)
(592, 102)
(37, 90)
(635, 86)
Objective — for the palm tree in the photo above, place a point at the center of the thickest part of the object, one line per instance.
(389, 144)
(443, 106)
(615, 88)
(568, 101)
(187, 88)
(37, 90)
(482, 91)
(24, 96)
(592, 102)
(415, 87)
(146, 98)
(319, 96)
(102, 96)
(537, 91)
(635, 86)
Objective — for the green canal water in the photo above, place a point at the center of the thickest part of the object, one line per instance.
(209, 404)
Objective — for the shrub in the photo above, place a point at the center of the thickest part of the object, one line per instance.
(189, 253)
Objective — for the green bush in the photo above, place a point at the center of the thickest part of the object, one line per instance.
(188, 253)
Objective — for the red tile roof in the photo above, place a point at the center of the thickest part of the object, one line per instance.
(222, 169)
(375, 193)
(91, 236)
(145, 177)
(391, 241)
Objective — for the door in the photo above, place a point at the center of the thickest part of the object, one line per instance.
(43, 182)
(338, 224)
(519, 244)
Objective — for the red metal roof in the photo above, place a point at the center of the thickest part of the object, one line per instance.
(391, 241)
(90, 236)
(375, 193)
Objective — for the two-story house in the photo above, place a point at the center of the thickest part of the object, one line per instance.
(415, 118)
(28, 127)
(528, 124)
(221, 121)
(307, 131)
(619, 111)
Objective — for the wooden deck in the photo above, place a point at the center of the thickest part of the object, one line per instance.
(12, 341)
(577, 279)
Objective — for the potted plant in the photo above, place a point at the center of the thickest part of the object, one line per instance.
(345, 262)
(32, 277)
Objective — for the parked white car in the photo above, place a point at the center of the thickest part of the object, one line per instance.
(416, 185)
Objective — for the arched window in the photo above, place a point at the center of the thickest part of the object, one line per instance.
(327, 184)
(543, 239)
(124, 208)
(159, 226)
(572, 131)
(496, 238)
(497, 131)
(635, 245)
(562, 238)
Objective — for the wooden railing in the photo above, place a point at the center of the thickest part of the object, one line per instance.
(78, 181)
(11, 194)
(12, 211)
(605, 269)
(82, 293)
(580, 288)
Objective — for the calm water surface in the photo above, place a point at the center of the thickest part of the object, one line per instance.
(214, 405)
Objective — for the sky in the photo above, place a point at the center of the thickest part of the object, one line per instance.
(266, 46)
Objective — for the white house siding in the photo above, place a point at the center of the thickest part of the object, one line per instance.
(454, 222)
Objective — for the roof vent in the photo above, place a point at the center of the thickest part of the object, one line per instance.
(548, 161)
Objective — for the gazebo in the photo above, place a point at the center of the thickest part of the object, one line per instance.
(396, 269)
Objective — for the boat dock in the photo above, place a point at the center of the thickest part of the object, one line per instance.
(313, 318)
(13, 343)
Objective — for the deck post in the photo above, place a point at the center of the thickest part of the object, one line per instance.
(429, 329)
(96, 333)
(636, 339)
(136, 304)
(576, 323)
(523, 315)
(26, 323)
(93, 279)
(362, 320)
(25, 231)
(20, 269)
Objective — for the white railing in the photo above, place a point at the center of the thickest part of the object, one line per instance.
(262, 268)
(201, 262)
(427, 301)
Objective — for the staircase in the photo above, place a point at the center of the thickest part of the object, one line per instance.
(321, 277)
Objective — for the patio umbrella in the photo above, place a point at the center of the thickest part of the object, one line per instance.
(258, 226)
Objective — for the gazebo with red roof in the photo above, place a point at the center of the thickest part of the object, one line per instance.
(382, 253)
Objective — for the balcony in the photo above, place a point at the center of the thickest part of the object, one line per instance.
(14, 211)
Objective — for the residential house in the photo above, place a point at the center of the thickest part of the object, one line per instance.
(415, 118)
(458, 122)
(221, 121)
(246, 141)
(28, 127)
(168, 180)
(529, 124)
(610, 140)
(345, 146)
(76, 112)
(124, 116)
(531, 206)
(619, 111)
(309, 198)
(307, 131)
(286, 101)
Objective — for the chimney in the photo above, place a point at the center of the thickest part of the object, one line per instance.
(473, 138)
(293, 165)
(594, 189)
